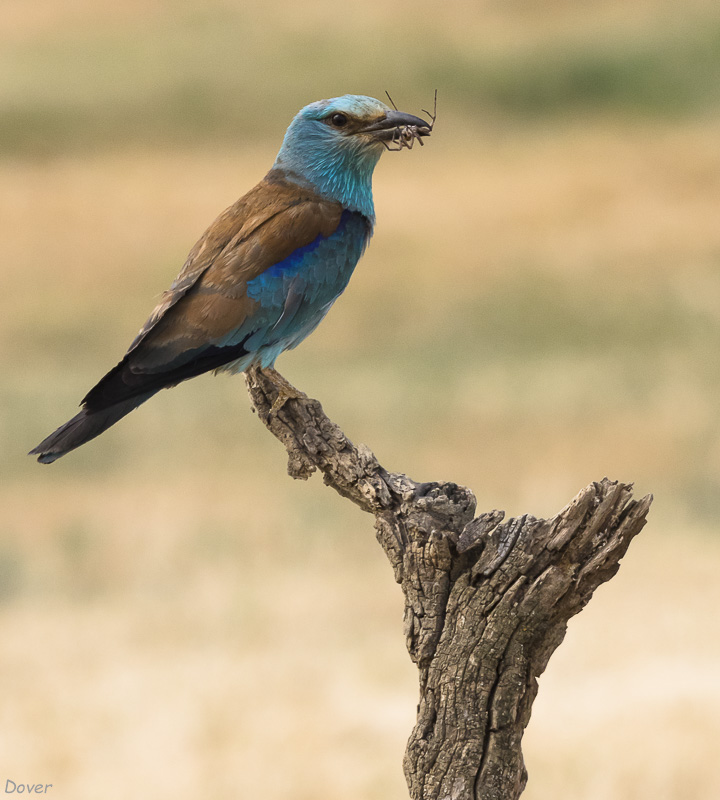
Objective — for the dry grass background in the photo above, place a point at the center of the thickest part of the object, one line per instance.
(539, 308)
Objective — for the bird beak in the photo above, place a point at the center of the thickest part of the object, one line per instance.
(387, 128)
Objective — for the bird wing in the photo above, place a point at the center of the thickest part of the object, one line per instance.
(261, 229)
(191, 329)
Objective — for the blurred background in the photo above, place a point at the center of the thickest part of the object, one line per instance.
(540, 307)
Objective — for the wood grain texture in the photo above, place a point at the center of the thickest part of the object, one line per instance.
(487, 601)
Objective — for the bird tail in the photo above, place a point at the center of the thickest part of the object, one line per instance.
(84, 426)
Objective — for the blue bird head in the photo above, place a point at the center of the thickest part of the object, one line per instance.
(333, 147)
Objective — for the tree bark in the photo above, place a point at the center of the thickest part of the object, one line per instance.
(487, 601)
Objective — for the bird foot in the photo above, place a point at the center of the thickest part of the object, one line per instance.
(285, 390)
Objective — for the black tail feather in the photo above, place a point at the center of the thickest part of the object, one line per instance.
(122, 390)
(82, 427)
(127, 380)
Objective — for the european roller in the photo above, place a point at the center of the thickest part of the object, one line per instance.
(265, 273)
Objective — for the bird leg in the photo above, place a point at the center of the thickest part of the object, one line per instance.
(285, 390)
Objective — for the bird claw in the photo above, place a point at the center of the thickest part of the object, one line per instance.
(285, 390)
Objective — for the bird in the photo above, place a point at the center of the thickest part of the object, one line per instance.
(266, 271)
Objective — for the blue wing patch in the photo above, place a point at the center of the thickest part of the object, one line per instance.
(295, 294)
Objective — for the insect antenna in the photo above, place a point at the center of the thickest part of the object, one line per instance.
(392, 102)
(432, 116)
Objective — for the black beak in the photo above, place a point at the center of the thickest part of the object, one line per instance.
(386, 128)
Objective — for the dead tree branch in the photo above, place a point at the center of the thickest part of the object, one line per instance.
(486, 601)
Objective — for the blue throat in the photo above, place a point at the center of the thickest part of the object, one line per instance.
(339, 169)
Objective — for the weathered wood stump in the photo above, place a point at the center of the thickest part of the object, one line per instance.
(487, 601)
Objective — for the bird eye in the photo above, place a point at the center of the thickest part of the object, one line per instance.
(338, 120)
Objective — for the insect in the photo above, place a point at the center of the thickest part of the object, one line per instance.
(407, 135)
